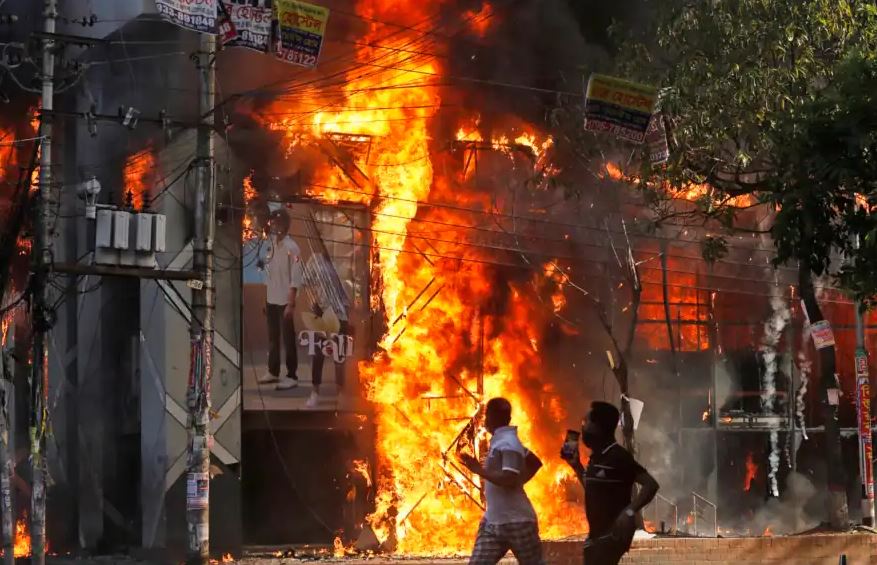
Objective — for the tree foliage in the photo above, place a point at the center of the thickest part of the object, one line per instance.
(769, 98)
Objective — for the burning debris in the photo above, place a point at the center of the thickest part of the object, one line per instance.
(751, 472)
(139, 176)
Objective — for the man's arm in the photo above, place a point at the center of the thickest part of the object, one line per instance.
(648, 489)
(508, 476)
(532, 464)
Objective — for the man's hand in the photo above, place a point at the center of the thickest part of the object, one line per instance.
(289, 311)
(470, 463)
(624, 524)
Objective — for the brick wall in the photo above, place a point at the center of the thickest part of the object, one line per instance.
(860, 549)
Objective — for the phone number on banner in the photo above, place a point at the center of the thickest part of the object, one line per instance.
(297, 57)
(192, 21)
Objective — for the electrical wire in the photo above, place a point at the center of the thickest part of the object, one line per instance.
(496, 214)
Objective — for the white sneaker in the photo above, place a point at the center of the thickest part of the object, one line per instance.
(313, 401)
(267, 378)
(285, 383)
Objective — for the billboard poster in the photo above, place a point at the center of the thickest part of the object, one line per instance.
(305, 308)
(300, 30)
(656, 138)
(619, 107)
(863, 408)
(822, 335)
(195, 15)
(250, 21)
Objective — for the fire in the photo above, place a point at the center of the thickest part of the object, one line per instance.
(338, 548)
(24, 245)
(552, 272)
(22, 546)
(360, 466)
(480, 21)
(472, 336)
(690, 191)
(767, 532)
(139, 176)
(751, 472)
(250, 195)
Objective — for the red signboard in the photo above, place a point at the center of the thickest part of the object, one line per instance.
(864, 406)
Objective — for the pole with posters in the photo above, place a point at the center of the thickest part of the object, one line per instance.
(42, 263)
(866, 449)
(863, 417)
(201, 328)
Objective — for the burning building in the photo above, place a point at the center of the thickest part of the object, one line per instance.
(473, 254)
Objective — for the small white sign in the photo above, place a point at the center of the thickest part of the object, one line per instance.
(822, 335)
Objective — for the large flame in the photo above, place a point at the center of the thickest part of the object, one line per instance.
(22, 547)
(692, 192)
(250, 194)
(139, 175)
(751, 472)
(458, 332)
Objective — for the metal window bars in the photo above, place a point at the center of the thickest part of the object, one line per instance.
(696, 513)
(659, 523)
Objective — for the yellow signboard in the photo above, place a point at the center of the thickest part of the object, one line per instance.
(301, 27)
(618, 106)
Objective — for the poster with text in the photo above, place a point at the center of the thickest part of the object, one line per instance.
(301, 27)
(195, 15)
(305, 308)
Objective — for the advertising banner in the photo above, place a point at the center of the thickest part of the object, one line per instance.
(863, 407)
(822, 335)
(195, 15)
(656, 139)
(305, 308)
(619, 107)
(300, 30)
(251, 21)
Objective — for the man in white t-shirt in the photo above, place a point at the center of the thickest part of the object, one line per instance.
(283, 278)
(509, 521)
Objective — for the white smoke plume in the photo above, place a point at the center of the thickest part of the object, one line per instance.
(804, 368)
(773, 332)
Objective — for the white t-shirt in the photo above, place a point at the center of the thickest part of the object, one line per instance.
(283, 269)
(507, 505)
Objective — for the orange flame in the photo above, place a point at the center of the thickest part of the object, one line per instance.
(360, 466)
(22, 547)
(250, 194)
(433, 371)
(139, 175)
(767, 532)
(751, 472)
(480, 21)
(338, 547)
(690, 191)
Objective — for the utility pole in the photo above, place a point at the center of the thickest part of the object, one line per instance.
(863, 417)
(201, 329)
(42, 264)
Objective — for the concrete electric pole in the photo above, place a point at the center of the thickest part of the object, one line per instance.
(201, 330)
(863, 417)
(42, 265)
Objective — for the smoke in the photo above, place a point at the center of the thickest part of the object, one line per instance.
(804, 368)
(787, 514)
(773, 331)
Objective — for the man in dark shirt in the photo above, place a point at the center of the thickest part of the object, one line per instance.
(608, 482)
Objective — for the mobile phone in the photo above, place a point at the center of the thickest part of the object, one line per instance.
(570, 447)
